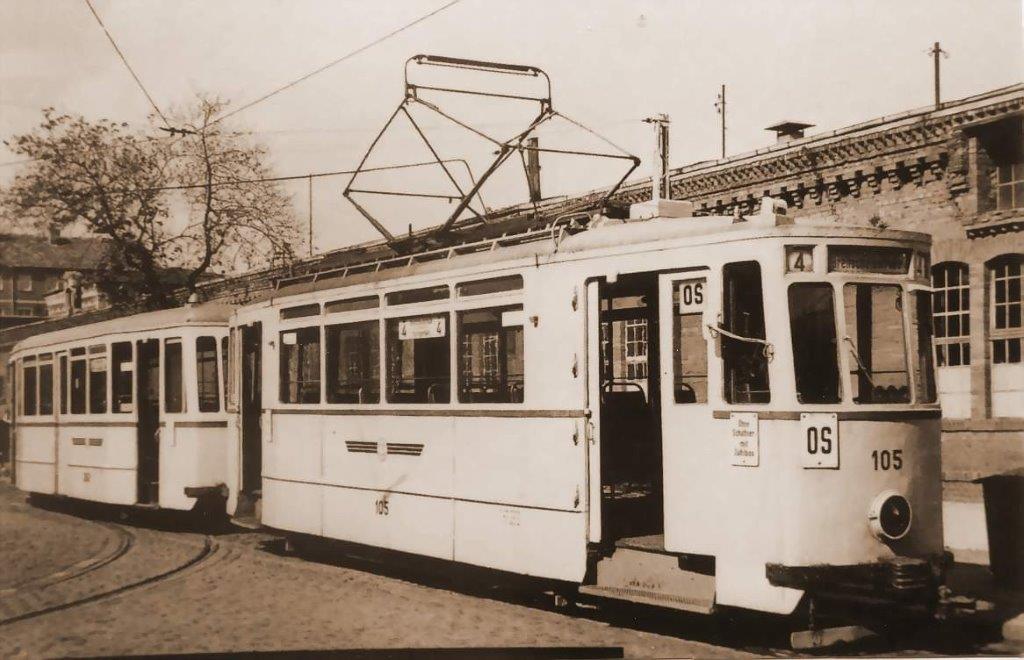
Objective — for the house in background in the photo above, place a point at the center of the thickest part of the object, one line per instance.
(34, 267)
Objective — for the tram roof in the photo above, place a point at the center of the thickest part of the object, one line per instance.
(703, 230)
(205, 314)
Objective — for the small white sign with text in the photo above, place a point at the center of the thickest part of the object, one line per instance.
(820, 434)
(743, 432)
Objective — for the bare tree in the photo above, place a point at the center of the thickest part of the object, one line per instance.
(174, 207)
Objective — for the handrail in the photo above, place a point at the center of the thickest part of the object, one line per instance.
(769, 348)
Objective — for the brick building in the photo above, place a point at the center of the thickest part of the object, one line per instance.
(34, 267)
(955, 172)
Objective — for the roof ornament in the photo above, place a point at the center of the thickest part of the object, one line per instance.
(468, 202)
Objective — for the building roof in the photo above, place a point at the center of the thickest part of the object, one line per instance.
(28, 251)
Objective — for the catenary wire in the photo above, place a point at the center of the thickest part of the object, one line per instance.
(126, 64)
(341, 59)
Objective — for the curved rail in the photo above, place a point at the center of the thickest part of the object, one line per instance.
(207, 552)
(124, 542)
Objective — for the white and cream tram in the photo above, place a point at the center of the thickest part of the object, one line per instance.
(126, 411)
(682, 411)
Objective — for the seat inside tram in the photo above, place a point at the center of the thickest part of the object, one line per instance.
(630, 416)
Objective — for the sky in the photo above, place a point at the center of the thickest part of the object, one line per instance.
(611, 62)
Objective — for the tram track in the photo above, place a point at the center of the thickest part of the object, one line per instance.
(29, 600)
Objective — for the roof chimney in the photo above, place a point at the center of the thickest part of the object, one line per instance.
(53, 232)
(788, 130)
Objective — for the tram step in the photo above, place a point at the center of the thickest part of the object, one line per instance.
(652, 578)
(248, 512)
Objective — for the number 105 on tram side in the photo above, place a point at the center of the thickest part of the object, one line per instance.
(691, 412)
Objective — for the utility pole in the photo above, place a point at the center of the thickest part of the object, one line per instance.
(310, 179)
(935, 51)
(660, 171)
(720, 107)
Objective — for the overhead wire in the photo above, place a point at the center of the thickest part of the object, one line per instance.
(126, 64)
(293, 177)
(341, 59)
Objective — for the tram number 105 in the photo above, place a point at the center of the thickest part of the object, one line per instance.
(887, 459)
(821, 440)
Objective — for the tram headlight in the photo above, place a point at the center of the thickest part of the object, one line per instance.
(890, 516)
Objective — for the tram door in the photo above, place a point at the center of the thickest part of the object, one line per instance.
(251, 403)
(148, 384)
(630, 402)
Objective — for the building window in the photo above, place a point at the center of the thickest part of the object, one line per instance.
(491, 355)
(1007, 328)
(1009, 186)
(636, 349)
(24, 281)
(300, 365)
(951, 316)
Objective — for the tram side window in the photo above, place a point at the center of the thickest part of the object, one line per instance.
(812, 320)
(745, 363)
(63, 384)
(875, 341)
(98, 384)
(353, 362)
(491, 355)
(121, 376)
(29, 384)
(689, 347)
(206, 374)
(46, 388)
(174, 383)
(300, 365)
(419, 356)
(78, 387)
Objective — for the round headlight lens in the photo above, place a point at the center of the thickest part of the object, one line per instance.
(890, 516)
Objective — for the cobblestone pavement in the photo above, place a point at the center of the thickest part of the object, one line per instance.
(48, 548)
(247, 594)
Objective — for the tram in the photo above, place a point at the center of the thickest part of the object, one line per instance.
(127, 411)
(689, 412)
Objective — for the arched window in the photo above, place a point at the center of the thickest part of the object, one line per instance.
(1005, 293)
(951, 305)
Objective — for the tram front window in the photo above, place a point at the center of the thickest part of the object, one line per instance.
(875, 340)
(815, 360)
(743, 348)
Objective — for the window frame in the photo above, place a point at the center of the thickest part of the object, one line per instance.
(215, 360)
(281, 389)
(1010, 335)
(943, 343)
(501, 348)
(165, 363)
(328, 353)
(753, 348)
(432, 309)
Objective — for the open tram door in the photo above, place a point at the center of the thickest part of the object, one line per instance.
(624, 382)
(250, 408)
(631, 340)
